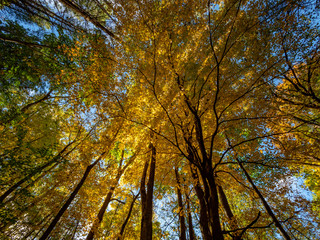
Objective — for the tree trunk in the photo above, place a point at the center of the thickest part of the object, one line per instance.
(87, 17)
(207, 193)
(44, 220)
(70, 199)
(128, 217)
(227, 208)
(43, 227)
(265, 204)
(180, 204)
(204, 227)
(26, 107)
(102, 210)
(212, 201)
(107, 200)
(192, 235)
(33, 173)
(147, 197)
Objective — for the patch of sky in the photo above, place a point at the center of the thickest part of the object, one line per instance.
(8, 14)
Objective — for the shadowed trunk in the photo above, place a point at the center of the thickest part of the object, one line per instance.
(180, 204)
(208, 195)
(33, 173)
(123, 227)
(204, 227)
(192, 235)
(70, 199)
(75, 230)
(107, 200)
(213, 206)
(147, 196)
(227, 208)
(87, 16)
(265, 204)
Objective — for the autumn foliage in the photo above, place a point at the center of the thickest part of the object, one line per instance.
(134, 119)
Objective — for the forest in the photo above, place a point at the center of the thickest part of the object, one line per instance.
(159, 119)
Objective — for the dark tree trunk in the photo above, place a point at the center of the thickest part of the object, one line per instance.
(102, 210)
(204, 226)
(69, 200)
(32, 8)
(123, 227)
(107, 200)
(209, 205)
(225, 203)
(42, 221)
(192, 235)
(180, 204)
(231, 217)
(265, 204)
(33, 173)
(87, 16)
(75, 230)
(147, 197)
(43, 227)
(213, 207)
(207, 193)
(26, 107)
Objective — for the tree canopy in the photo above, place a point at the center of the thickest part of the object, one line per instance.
(159, 119)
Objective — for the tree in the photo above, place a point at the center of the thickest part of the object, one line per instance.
(207, 110)
(147, 195)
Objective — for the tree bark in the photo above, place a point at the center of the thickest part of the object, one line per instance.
(180, 204)
(43, 227)
(128, 217)
(208, 196)
(26, 107)
(103, 209)
(33, 173)
(192, 235)
(204, 226)
(209, 204)
(70, 199)
(147, 196)
(265, 204)
(227, 208)
(107, 200)
(213, 207)
(75, 230)
(87, 17)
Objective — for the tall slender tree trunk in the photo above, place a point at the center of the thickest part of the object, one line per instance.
(128, 217)
(70, 199)
(265, 203)
(19, 214)
(43, 98)
(103, 209)
(33, 173)
(107, 200)
(213, 206)
(43, 227)
(147, 196)
(33, 230)
(207, 193)
(31, 183)
(192, 235)
(204, 226)
(180, 204)
(209, 205)
(87, 16)
(227, 209)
